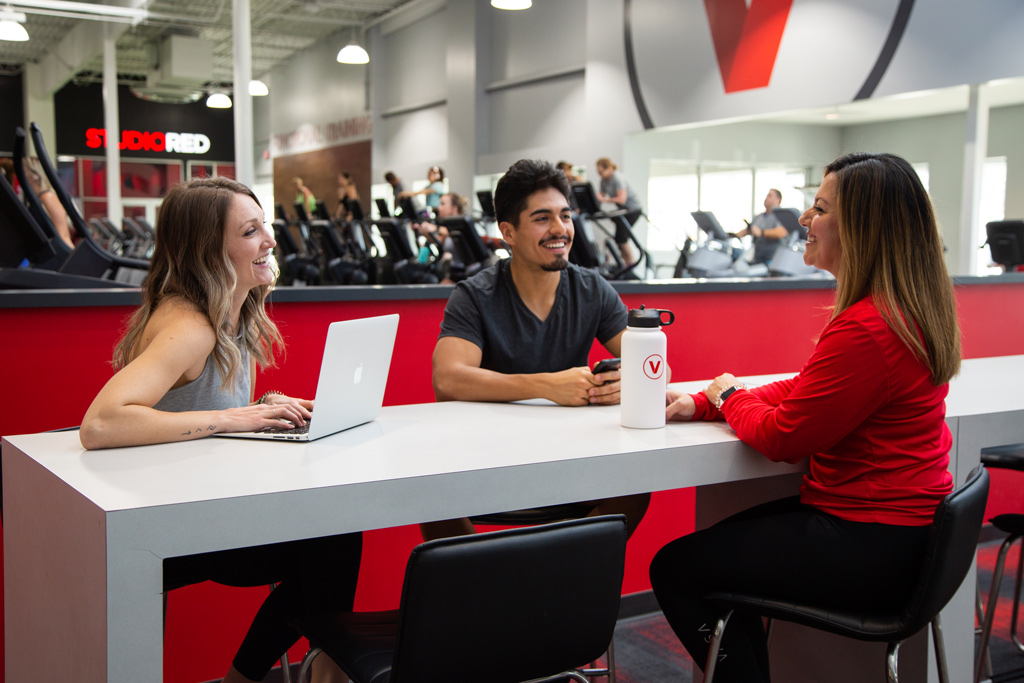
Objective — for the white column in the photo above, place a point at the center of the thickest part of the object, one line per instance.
(975, 151)
(112, 122)
(461, 71)
(245, 166)
(38, 108)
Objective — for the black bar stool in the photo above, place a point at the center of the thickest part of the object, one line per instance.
(1007, 457)
(949, 554)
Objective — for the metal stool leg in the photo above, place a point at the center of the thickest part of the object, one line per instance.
(716, 644)
(286, 670)
(611, 661)
(990, 609)
(940, 649)
(892, 662)
(304, 669)
(1016, 602)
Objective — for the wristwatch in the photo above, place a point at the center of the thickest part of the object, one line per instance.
(726, 394)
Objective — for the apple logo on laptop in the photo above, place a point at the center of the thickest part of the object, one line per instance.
(357, 377)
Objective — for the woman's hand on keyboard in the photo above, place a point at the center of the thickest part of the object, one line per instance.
(265, 415)
(304, 406)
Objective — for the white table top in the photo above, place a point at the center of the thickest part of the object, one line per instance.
(404, 442)
(414, 441)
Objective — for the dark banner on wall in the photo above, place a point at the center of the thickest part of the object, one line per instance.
(189, 132)
(12, 113)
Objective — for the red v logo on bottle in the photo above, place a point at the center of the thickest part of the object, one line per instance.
(655, 366)
(746, 40)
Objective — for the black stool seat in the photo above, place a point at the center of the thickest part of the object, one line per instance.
(869, 627)
(1005, 457)
(1011, 523)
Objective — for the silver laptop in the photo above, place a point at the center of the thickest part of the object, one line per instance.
(353, 375)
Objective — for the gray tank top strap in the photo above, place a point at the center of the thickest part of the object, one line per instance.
(205, 392)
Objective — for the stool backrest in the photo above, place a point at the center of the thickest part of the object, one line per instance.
(951, 548)
(517, 604)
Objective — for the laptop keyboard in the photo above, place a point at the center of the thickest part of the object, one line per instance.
(304, 429)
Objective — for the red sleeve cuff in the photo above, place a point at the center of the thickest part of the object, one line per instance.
(703, 408)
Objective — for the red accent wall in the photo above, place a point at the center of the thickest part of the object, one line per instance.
(58, 359)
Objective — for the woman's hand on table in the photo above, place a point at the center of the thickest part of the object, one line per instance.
(720, 384)
(679, 406)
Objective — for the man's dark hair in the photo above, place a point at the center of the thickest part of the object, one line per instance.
(522, 179)
(390, 177)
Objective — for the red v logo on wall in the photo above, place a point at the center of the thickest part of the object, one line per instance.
(746, 40)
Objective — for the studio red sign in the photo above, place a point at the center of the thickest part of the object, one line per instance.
(134, 140)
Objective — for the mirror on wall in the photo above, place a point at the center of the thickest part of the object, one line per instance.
(727, 166)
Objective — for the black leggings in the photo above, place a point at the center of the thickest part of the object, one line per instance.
(621, 231)
(787, 551)
(320, 572)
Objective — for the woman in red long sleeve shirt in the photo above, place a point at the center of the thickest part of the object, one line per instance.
(867, 410)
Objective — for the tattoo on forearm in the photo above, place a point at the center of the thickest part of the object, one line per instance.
(211, 428)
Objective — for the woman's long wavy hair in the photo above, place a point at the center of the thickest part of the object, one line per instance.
(190, 262)
(891, 249)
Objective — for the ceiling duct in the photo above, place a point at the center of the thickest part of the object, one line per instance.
(184, 67)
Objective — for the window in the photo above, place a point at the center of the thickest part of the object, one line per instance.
(993, 208)
(734, 194)
(670, 200)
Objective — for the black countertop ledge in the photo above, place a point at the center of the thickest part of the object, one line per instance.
(77, 298)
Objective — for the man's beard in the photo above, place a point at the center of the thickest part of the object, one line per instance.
(561, 264)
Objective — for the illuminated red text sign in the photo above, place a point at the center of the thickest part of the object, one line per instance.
(181, 143)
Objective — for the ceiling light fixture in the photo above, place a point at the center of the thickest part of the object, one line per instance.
(511, 4)
(11, 26)
(353, 53)
(258, 88)
(218, 100)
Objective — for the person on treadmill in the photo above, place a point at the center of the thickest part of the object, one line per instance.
(766, 229)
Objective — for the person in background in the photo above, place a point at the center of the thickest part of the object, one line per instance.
(47, 197)
(868, 412)
(615, 190)
(523, 327)
(766, 229)
(395, 182)
(304, 196)
(188, 359)
(349, 208)
(450, 205)
(432, 192)
(567, 170)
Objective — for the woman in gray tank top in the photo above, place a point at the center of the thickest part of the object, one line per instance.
(189, 358)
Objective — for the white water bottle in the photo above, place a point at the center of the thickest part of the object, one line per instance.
(644, 376)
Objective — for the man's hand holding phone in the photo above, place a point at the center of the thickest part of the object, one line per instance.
(607, 373)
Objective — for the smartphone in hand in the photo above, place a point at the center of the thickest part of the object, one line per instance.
(606, 365)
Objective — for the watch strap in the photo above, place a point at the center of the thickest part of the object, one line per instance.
(726, 394)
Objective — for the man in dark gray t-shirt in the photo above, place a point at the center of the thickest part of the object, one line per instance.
(524, 327)
(487, 311)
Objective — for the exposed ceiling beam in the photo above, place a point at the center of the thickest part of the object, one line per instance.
(81, 44)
